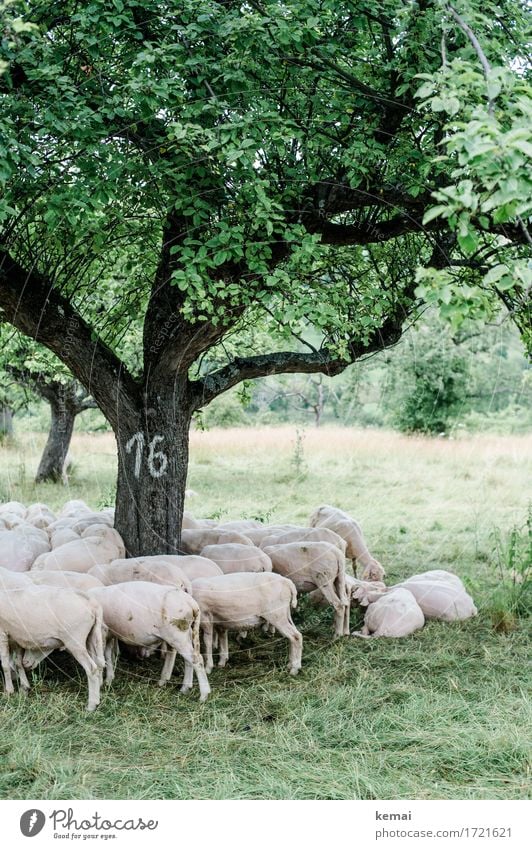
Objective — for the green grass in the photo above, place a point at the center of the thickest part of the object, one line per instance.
(441, 714)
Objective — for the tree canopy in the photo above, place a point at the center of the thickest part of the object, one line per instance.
(175, 171)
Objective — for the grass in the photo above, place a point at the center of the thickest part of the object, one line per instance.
(441, 714)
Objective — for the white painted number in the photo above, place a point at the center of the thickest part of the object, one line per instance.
(160, 456)
(154, 457)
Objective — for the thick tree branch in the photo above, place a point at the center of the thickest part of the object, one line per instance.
(29, 303)
(284, 362)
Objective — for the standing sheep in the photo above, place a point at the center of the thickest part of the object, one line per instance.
(245, 600)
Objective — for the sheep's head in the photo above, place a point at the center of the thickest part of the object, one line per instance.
(373, 571)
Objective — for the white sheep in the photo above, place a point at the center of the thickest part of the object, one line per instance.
(35, 620)
(235, 557)
(315, 565)
(154, 616)
(394, 613)
(245, 600)
(349, 529)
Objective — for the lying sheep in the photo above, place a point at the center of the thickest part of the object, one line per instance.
(444, 599)
(395, 613)
(234, 557)
(78, 555)
(38, 619)
(151, 616)
(437, 575)
(315, 565)
(305, 535)
(146, 569)
(350, 531)
(194, 541)
(245, 600)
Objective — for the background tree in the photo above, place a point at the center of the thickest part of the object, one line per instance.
(32, 371)
(193, 167)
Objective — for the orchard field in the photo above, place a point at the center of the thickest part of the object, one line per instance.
(441, 714)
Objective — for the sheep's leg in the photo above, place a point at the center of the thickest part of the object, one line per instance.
(224, 648)
(92, 672)
(283, 623)
(188, 678)
(334, 601)
(21, 672)
(207, 639)
(347, 623)
(203, 681)
(6, 665)
(168, 665)
(193, 661)
(111, 657)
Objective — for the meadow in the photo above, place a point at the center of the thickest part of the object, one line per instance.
(444, 713)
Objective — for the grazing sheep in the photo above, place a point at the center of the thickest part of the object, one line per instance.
(193, 541)
(245, 600)
(351, 586)
(241, 526)
(75, 508)
(80, 581)
(315, 565)
(149, 615)
(86, 521)
(107, 533)
(14, 507)
(305, 535)
(349, 529)
(441, 599)
(62, 536)
(38, 619)
(234, 557)
(395, 613)
(19, 550)
(148, 569)
(189, 521)
(79, 555)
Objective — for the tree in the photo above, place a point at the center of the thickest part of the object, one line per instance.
(30, 370)
(181, 170)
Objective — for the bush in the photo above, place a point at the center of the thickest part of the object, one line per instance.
(429, 383)
(513, 598)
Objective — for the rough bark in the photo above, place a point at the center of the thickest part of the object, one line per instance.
(152, 444)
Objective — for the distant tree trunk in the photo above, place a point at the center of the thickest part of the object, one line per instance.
(53, 460)
(6, 421)
(66, 401)
(319, 405)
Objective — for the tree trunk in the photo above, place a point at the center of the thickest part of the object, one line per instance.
(53, 460)
(6, 421)
(152, 471)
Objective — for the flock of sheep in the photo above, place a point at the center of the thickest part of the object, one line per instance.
(65, 583)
